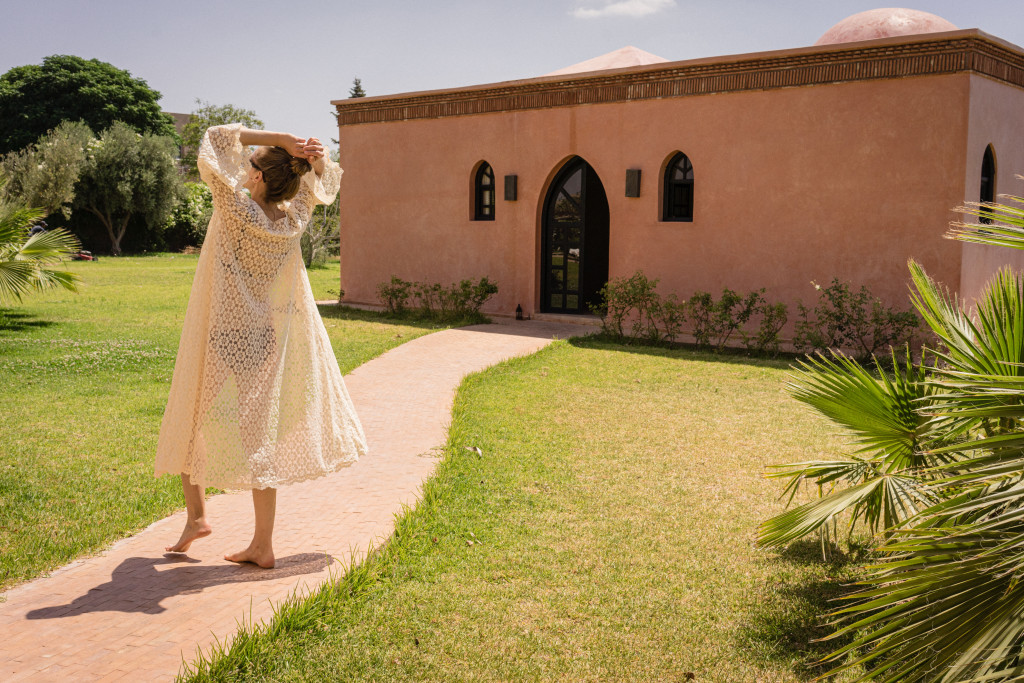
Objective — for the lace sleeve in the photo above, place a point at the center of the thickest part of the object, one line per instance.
(316, 189)
(223, 167)
(222, 156)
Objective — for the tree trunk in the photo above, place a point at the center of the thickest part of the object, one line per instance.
(115, 241)
(120, 233)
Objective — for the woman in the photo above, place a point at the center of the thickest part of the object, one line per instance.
(257, 399)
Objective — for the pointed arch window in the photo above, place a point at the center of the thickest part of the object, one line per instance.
(988, 181)
(678, 190)
(483, 201)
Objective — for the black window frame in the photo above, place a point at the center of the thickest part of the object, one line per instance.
(987, 193)
(671, 210)
(484, 210)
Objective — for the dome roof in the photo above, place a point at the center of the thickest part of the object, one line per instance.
(623, 57)
(884, 23)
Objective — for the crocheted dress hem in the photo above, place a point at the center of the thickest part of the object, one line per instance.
(248, 486)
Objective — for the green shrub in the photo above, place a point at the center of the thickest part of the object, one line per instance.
(615, 306)
(631, 310)
(187, 224)
(395, 294)
(670, 315)
(853, 320)
(459, 301)
(429, 297)
(465, 298)
(714, 322)
(765, 340)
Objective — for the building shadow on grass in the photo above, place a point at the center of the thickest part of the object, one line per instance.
(16, 321)
(136, 585)
(688, 352)
(343, 312)
(790, 620)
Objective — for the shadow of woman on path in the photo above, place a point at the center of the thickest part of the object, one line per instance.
(136, 585)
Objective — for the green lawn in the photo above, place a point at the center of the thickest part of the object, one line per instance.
(84, 380)
(606, 534)
(325, 280)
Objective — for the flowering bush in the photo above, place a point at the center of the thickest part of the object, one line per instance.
(853, 320)
(186, 226)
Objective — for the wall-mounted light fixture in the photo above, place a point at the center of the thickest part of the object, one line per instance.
(632, 182)
(511, 193)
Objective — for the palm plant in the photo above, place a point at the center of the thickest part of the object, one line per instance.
(26, 262)
(945, 601)
(882, 482)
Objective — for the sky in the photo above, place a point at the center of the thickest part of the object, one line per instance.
(288, 60)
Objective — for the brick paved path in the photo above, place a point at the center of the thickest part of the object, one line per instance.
(134, 613)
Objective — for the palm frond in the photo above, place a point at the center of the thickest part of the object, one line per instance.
(941, 608)
(882, 413)
(883, 482)
(883, 501)
(943, 313)
(821, 473)
(49, 246)
(978, 394)
(994, 346)
(15, 222)
(1005, 230)
(47, 278)
(26, 261)
(16, 279)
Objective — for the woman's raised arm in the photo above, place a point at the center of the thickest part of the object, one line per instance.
(267, 138)
(310, 149)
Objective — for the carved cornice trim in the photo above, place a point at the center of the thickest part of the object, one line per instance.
(969, 51)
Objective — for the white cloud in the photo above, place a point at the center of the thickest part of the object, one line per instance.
(624, 8)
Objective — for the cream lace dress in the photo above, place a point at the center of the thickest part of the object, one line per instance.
(257, 399)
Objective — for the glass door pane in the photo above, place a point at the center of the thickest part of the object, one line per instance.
(563, 233)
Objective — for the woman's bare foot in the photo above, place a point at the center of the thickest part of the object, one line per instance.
(193, 529)
(261, 557)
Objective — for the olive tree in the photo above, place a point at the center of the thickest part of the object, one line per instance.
(202, 118)
(44, 175)
(322, 232)
(128, 174)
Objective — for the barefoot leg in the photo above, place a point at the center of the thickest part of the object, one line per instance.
(196, 525)
(261, 550)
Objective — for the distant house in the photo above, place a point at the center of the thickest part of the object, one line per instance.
(180, 121)
(843, 159)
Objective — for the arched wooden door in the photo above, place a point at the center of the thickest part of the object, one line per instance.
(574, 244)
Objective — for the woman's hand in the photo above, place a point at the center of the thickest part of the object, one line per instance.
(312, 149)
(294, 145)
(305, 148)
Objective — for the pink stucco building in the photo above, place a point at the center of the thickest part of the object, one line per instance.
(843, 159)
